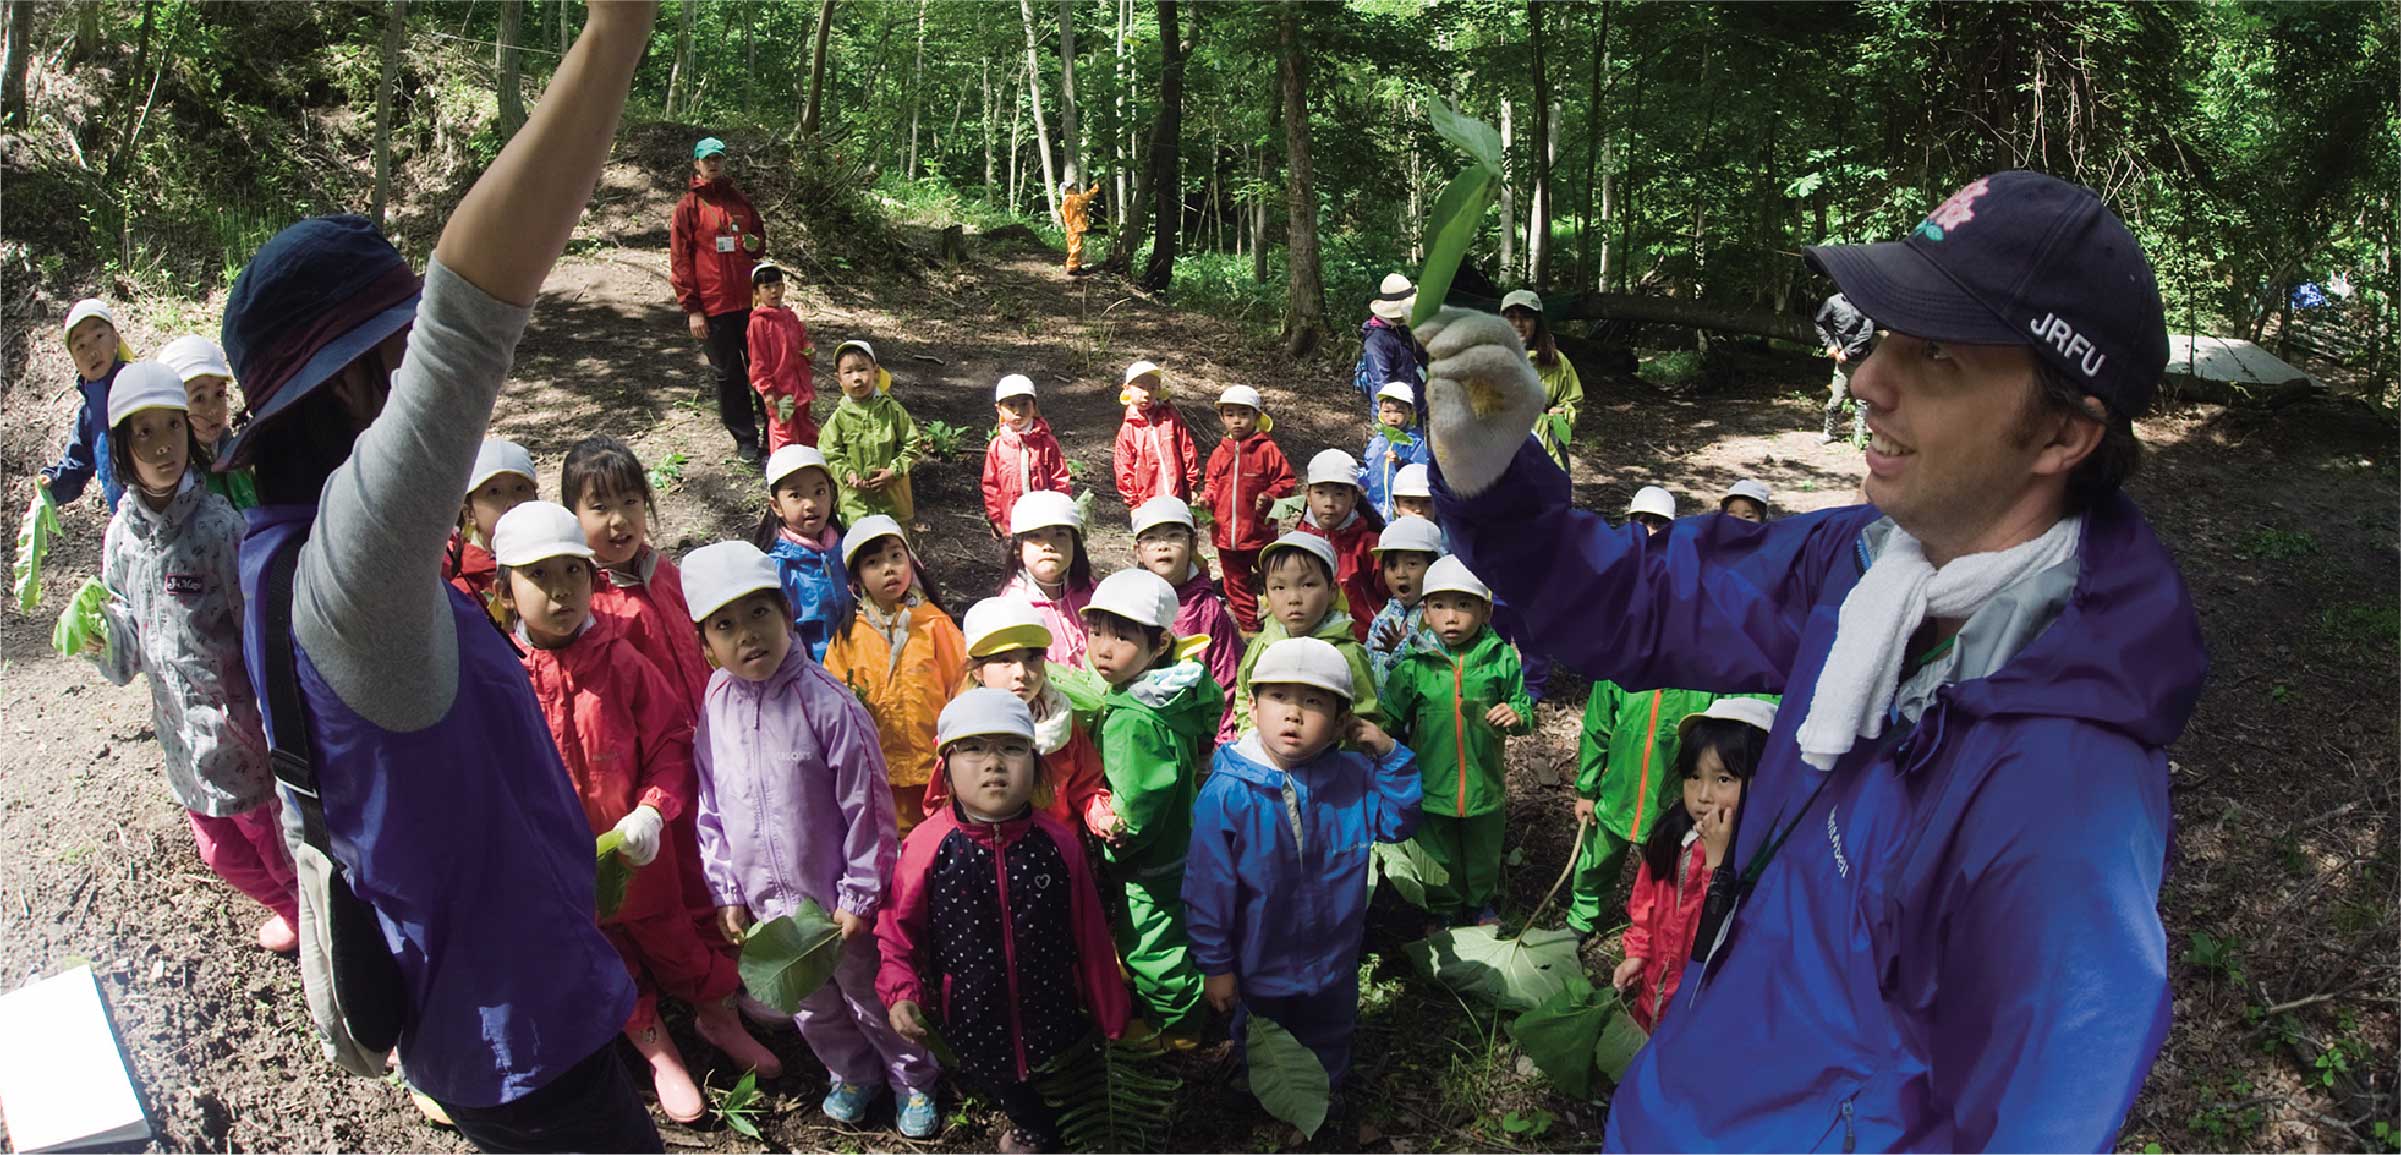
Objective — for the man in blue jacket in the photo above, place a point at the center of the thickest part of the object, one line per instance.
(1946, 931)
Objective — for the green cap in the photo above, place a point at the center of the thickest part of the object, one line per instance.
(708, 146)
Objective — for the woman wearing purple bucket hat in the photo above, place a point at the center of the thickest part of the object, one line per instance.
(443, 799)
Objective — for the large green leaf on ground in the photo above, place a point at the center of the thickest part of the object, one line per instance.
(785, 959)
(1411, 871)
(1619, 1042)
(1560, 1035)
(1513, 974)
(1111, 1096)
(1286, 1075)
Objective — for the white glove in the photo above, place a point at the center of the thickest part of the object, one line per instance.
(640, 830)
(1482, 397)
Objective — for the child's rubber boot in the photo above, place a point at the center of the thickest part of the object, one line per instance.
(847, 1102)
(277, 935)
(918, 1118)
(718, 1023)
(679, 1097)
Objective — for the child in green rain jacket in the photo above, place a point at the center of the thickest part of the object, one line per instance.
(870, 442)
(1451, 697)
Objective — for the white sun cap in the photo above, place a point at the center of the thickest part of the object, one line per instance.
(1138, 596)
(718, 574)
(1413, 480)
(193, 355)
(1042, 509)
(1750, 489)
(1013, 385)
(861, 346)
(871, 527)
(1522, 299)
(981, 711)
(1162, 510)
(1333, 467)
(1449, 575)
(1400, 391)
(144, 385)
(998, 625)
(1414, 534)
(792, 459)
(1308, 543)
(1242, 395)
(1652, 499)
(85, 310)
(535, 530)
(499, 455)
(1139, 369)
(1753, 711)
(1304, 662)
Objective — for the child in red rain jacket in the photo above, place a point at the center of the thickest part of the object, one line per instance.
(503, 479)
(1247, 473)
(1155, 454)
(1023, 455)
(1338, 513)
(780, 369)
(977, 940)
(1718, 749)
(626, 738)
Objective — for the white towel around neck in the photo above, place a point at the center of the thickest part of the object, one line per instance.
(1896, 595)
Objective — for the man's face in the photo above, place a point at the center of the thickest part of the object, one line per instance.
(1943, 456)
(1455, 617)
(710, 167)
(552, 597)
(1296, 722)
(750, 635)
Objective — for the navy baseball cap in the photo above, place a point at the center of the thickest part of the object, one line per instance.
(314, 298)
(2020, 258)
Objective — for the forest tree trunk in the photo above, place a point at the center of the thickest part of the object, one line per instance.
(1538, 224)
(813, 113)
(1071, 139)
(1033, 89)
(1166, 154)
(510, 87)
(1304, 283)
(395, 32)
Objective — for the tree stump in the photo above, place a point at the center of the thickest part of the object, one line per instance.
(953, 247)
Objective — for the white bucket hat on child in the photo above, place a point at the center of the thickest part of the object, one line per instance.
(498, 455)
(1449, 575)
(1042, 509)
(998, 625)
(1308, 543)
(983, 710)
(193, 355)
(1164, 509)
(1304, 662)
(1747, 488)
(1394, 298)
(1242, 395)
(717, 574)
(1413, 534)
(1013, 385)
(1522, 299)
(869, 528)
(1753, 711)
(1653, 500)
(535, 530)
(1138, 596)
(1413, 480)
(792, 459)
(1333, 467)
(144, 385)
(1397, 391)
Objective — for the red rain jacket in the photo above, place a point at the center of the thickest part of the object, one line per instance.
(1016, 464)
(1240, 473)
(707, 276)
(1661, 915)
(1155, 455)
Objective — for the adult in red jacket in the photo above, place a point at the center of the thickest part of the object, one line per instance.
(712, 241)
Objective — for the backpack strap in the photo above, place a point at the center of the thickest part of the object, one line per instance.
(289, 752)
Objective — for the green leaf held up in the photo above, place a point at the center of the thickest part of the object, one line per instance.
(34, 536)
(785, 959)
(614, 873)
(1287, 1076)
(1450, 229)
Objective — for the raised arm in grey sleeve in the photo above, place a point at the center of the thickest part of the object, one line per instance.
(368, 603)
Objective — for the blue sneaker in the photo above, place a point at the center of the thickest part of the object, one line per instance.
(917, 1117)
(847, 1102)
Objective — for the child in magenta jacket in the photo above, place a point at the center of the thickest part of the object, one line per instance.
(794, 807)
(978, 941)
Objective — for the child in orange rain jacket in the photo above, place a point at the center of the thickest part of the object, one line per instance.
(1155, 453)
(1006, 641)
(900, 653)
(1023, 456)
(1337, 511)
(780, 370)
(1247, 473)
(626, 738)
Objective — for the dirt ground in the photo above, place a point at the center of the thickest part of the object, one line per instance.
(2280, 899)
